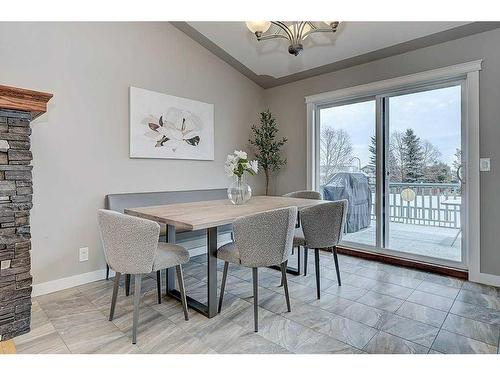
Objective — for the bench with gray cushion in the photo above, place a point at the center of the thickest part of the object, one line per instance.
(189, 239)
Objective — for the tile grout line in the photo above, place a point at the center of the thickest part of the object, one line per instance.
(395, 312)
(299, 323)
(343, 317)
(56, 330)
(282, 315)
(446, 317)
(356, 300)
(447, 313)
(464, 317)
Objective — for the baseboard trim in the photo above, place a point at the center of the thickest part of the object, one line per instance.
(84, 278)
(402, 262)
(67, 282)
(485, 278)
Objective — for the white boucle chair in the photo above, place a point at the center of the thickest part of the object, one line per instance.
(261, 240)
(323, 225)
(298, 239)
(131, 247)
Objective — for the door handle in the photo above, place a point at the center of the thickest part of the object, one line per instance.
(458, 174)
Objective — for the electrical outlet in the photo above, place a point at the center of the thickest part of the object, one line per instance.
(484, 164)
(84, 254)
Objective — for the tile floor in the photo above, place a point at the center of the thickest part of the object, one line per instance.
(379, 309)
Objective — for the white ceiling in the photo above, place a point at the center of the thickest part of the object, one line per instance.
(271, 57)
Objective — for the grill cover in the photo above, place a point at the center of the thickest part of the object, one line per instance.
(353, 187)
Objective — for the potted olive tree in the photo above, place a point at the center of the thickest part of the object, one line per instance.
(267, 145)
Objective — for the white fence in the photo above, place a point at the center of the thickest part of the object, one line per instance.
(434, 204)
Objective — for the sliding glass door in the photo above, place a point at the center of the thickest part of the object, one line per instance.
(347, 164)
(397, 159)
(423, 181)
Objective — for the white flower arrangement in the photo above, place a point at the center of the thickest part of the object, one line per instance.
(237, 163)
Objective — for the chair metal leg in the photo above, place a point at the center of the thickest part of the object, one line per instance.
(281, 280)
(115, 294)
(127, 285)
(158, 285)
(316, 265)
(182, 289)
(285, 285)
(299, 258)
(255, 299)
(306, 251)
(107, 272)
(137, 298)
(223, 286)
(336, 260)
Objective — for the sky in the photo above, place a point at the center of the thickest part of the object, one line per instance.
(434, 115)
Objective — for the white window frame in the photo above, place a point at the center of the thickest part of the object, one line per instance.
(469, 72)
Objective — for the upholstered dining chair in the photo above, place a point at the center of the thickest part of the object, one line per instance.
(131, 247)
(323, 225)
(298, 239)
(260, 240)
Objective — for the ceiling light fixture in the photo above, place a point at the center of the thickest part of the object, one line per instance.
(295, 32)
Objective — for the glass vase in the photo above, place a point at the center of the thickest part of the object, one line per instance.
(239, 192)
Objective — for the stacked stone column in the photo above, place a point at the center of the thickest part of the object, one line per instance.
(15, 204)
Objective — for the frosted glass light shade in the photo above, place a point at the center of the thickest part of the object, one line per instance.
(258, 26)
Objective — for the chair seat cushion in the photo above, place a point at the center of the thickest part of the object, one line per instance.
(169, 255)
(298, 238)
(229, 253)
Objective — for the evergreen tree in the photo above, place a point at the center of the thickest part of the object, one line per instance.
(438, 173)
(413, 158)
(267, 146)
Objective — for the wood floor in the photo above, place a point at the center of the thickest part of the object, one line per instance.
(379, 308)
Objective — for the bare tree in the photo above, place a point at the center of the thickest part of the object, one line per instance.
(336, 152)
(431, 154)
(397, 151)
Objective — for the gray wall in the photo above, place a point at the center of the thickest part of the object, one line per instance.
(287, 103)
(80, 145)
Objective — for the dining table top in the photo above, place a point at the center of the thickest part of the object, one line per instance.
(214, 213)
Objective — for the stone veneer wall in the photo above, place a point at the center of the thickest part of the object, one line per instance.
(15, 204)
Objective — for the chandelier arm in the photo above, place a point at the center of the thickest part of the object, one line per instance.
(273, 36)
(294, 33)
(299, 28)
(313, 26)
(302, 25)
(319, 30)
(283, 27)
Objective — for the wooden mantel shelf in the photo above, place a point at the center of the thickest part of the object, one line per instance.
(24, 100)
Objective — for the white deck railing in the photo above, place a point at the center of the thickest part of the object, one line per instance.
(427, 208)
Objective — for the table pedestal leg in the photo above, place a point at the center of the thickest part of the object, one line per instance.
(209, 309)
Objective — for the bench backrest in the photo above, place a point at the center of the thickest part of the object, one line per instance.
(118, 202)
(190, 239)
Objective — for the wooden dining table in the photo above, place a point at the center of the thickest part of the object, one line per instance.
(209, 216)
